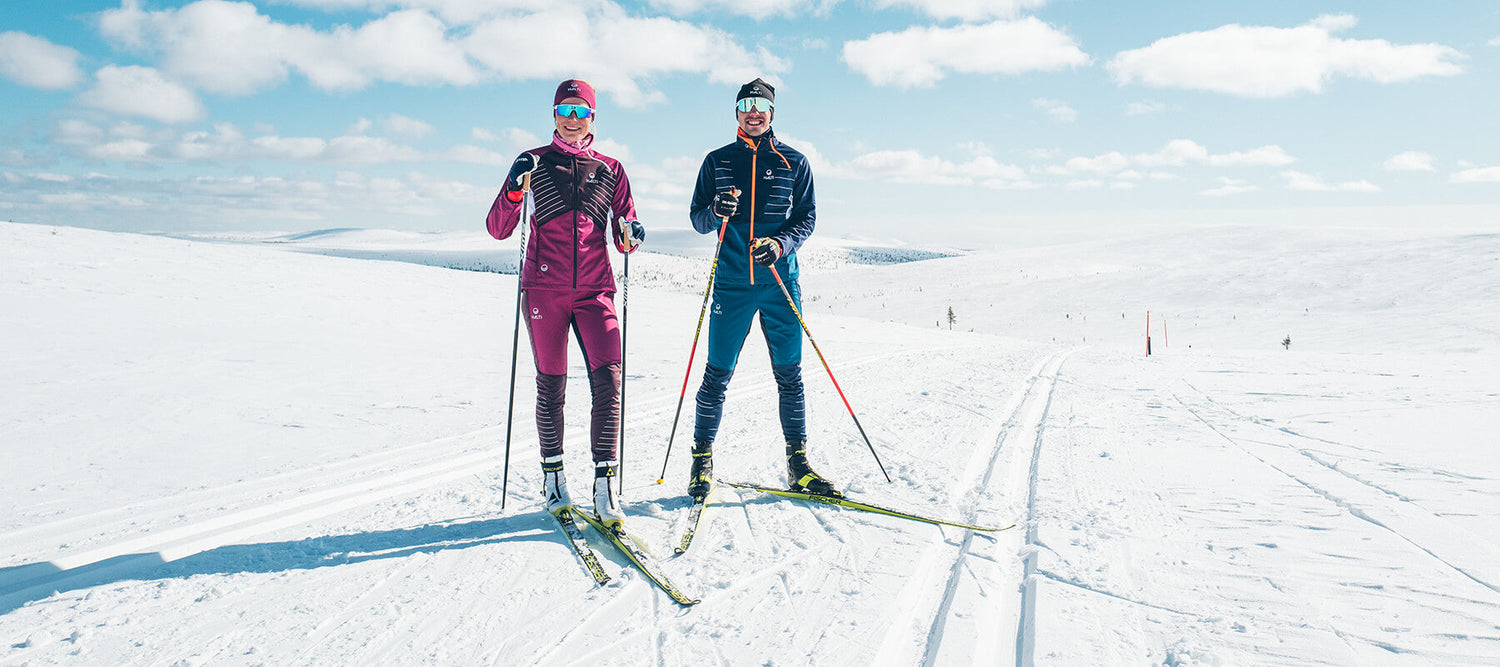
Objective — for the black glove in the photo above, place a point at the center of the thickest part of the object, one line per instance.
(632, 233)
(725, 204)
(765, 252)
(525, 164)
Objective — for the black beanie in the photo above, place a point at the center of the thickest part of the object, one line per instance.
(757, 88)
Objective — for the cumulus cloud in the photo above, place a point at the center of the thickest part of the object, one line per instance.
(511, 137)
(922, 56)
(1176, 153)
(1143, 108)
(142, 91)
(406, 126)
(1409, 161)
(1056, 109)
(1260, 61)
(1229, 186)
(910, 166)
(623, 51)
(230, 47)
(37, 63)
(967, 10)
(1477, 175)
(760, 9)
(227, 142)
(1297, 180)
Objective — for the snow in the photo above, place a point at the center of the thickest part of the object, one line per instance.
(288, 449)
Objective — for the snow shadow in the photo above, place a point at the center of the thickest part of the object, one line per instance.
(23, 584)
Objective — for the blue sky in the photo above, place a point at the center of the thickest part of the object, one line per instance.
(940, 120)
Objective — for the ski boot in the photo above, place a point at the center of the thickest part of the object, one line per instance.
(800, 475)
(554, 489)
(607, 494)
(701, 479)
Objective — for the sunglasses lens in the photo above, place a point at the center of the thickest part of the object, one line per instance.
(574, 110)
(749, 104)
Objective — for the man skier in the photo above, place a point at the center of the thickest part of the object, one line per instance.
(582, 196)
(764, 230)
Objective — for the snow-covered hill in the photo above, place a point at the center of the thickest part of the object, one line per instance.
(269, 449)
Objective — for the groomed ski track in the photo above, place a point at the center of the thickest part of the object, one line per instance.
(222, 532)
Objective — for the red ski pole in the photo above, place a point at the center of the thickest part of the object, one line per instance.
(792, 302)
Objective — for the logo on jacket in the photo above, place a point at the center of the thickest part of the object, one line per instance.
(543, 267)
(768, 176)
(536, 313)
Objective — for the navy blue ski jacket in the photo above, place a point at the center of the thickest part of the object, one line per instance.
(776, 201)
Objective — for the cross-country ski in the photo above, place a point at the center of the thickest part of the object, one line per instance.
(851, 503)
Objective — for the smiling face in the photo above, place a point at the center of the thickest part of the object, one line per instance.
(571, 129)
(754, 122)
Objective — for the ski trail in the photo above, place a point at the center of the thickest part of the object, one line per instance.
(961, 621)
(1278, 448)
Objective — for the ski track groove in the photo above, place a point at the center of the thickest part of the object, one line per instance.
(302, 496)
(902, 623)
(1382, 497)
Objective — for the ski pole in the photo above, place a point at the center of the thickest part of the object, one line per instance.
(791, 302)
(528, 207)
(624, 347)
(707, 292)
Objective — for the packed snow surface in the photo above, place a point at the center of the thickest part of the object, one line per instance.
(289, 449)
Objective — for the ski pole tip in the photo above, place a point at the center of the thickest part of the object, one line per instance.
(661, 481)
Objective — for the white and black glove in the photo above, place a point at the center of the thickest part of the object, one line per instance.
(726, 203)
(765, 251)
(524, 164)
(632, 233)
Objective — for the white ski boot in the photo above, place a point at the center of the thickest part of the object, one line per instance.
(554, 489)
(607, 494)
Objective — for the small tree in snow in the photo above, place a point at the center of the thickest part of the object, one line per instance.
(951, 318)
(1286, 343)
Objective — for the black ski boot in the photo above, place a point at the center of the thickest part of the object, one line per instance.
(800, 475)
(702, 477)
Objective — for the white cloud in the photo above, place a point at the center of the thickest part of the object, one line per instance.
(922, 56)
(230, 47)
(134, 143)
(1143, 108)
(406, 126)
(1176, 153)
(967, 10)
(142, 91)
(1297, 180)
(1494, 42)
(1229, 186)
(910, 166)
(1259, 61)
(512, 137)
(1056, 109)
(760, 9)
(623, 51)
(1477, 175)
(38, 63)
(1410, 161)
(613, 149)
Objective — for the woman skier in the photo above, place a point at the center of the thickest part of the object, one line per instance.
(567, 283)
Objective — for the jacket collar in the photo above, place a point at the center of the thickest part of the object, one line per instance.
(583, 148)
